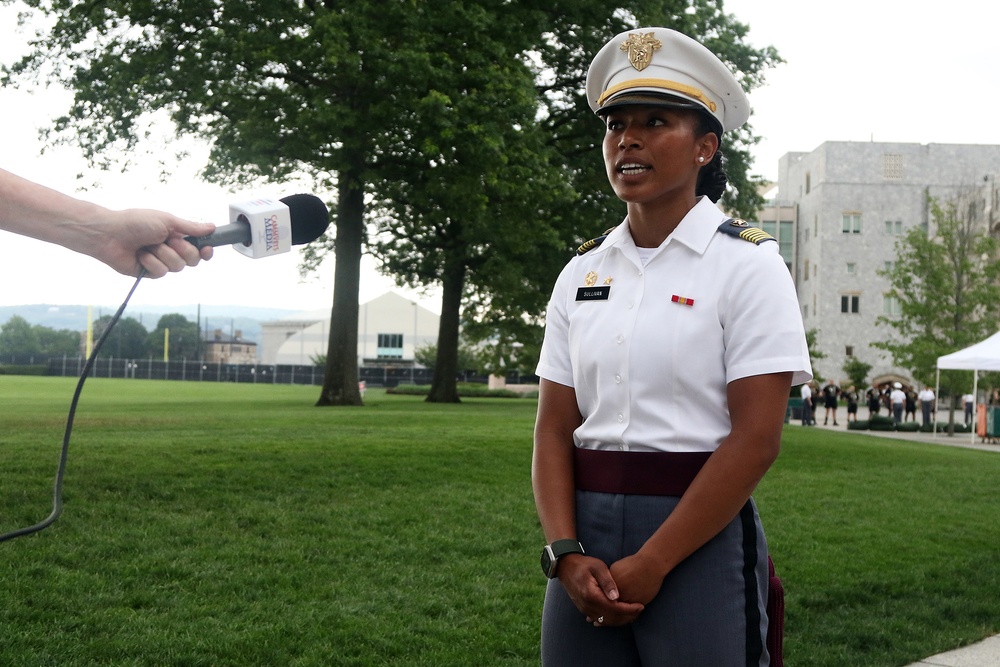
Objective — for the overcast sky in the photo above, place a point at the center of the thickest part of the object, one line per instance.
(874, 70)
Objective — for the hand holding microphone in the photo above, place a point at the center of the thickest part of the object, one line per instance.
(129, 241)
(263, 227)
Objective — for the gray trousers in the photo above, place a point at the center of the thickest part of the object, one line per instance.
(710, 611)
(925, 409)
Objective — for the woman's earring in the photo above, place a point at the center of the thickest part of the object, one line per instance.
(701, 158)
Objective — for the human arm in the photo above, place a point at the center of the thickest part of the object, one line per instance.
(587, 580)
(125, 240)
(757, 407)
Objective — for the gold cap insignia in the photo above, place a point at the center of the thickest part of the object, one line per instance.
(591, 279)
(640, 49)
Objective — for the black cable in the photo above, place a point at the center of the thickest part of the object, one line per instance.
(57, 502)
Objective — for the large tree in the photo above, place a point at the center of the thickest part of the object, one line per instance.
(499, 173)
(57, 342)
(347, 93)
(18, 337)
(130, 339)
(176, 335)
(466, 196)
(945, 282)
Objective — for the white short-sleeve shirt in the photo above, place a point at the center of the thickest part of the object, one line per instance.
(649, 349)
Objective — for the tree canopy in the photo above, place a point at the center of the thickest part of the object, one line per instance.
(945, 284)
(19, 337)
(182, 341)
(453, 136)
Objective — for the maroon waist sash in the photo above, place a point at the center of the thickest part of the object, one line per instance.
(636, 473)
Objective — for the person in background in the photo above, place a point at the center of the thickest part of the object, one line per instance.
(126, 240)
(671, 345)
(852, 403)
(911, 405)
(874, 400)
(969, 401)
(926, 398)
(897, 398)
(805, 391)
(831, 397)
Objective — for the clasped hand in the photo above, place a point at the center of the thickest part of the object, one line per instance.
(609, 596)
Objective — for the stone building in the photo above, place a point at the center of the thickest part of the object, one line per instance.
(222, 348)
(849, 203)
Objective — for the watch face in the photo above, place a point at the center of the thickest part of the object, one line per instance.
(548, 561)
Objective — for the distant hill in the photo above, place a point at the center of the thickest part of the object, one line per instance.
(246, 319)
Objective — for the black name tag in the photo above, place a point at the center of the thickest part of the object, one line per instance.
(602, 293)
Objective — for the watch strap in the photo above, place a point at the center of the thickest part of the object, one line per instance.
(553, 552)
(562, 547)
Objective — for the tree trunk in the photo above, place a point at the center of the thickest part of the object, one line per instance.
(340, 378)
(444, 386)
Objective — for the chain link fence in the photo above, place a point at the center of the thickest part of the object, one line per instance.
(196, 371)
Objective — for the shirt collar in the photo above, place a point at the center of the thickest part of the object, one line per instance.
(695, 230)
(698, 227)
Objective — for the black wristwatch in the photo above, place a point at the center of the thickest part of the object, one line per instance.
(553, 552)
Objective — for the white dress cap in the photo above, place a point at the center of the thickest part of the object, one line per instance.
(663, 67)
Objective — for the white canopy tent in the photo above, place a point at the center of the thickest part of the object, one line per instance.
(983, 356)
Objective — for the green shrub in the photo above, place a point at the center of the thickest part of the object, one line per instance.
(882, 427)
(465, 390)
(881, 423)
(942, 427)
(23, 369)
(858, 425)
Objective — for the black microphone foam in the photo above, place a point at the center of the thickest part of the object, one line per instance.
(309, 215)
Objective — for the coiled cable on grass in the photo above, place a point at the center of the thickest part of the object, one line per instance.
(57, 501)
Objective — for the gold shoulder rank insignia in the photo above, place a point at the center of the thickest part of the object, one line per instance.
(587, 246)
(741, 229)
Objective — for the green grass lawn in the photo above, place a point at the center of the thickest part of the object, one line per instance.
(237, 525)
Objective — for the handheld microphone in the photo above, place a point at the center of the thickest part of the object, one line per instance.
(263, 227)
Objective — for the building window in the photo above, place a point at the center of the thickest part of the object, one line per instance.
(782, 232)
(852, 223)
(808, 182)
(849, 351)
(891, 305)
(850, 303)
(894, 227)
(892, 167)
(390, 346)
(786, 241)
(805, 274)
(851, 268)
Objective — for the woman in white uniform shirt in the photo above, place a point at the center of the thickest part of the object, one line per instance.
(669, 353)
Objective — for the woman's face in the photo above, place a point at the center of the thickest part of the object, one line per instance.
(651, 153)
